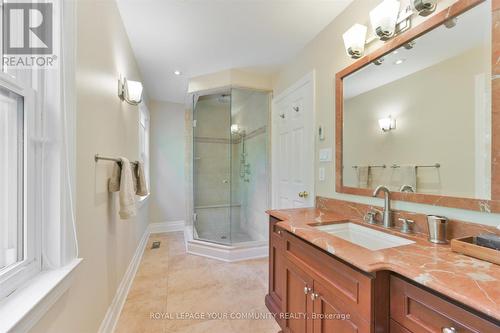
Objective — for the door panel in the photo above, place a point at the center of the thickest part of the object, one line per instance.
(296, 302)
(330, 316)
(284, 174)
(212, 170)
(293, 145)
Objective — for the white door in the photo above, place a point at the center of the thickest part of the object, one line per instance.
(293, 146)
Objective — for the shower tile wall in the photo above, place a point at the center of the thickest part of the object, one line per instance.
(250, 110)
(231, 209)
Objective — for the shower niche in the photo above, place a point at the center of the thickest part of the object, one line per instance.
(231, 166)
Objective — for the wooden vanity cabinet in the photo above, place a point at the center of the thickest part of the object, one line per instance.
(416, 310)
(310, 291)
(276, 270)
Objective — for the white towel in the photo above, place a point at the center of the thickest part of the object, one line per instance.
(142, 186)
(409, 175)
(363, 176)
(122, 180)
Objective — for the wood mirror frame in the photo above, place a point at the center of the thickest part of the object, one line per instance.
(459, 7)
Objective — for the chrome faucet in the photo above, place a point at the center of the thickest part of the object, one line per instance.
(387, 214)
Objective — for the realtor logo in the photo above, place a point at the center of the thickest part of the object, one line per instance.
(27, 28)
(28, 35)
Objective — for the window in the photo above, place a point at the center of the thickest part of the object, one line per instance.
(18, 250)
(11, 178)
(144, 138)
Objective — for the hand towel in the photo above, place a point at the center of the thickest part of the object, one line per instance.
(122, 180)
(363, 176)
(409, 175)
(114, 181)
(142, 186)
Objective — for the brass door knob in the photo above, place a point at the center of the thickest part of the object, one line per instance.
(314, 296)
(303, 194)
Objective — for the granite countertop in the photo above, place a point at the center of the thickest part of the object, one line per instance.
(470, 281)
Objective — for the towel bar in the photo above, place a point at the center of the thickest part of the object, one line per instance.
(437, 165)
(371, 166)
(98, 157)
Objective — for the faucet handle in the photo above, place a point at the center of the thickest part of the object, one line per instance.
(407, 225)
(370, 216)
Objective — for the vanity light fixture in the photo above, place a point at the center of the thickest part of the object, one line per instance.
(354, 40)
(387, 124)
(424, 7)
(384, 18)
(130, 91)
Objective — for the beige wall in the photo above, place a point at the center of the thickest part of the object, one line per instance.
(423, 104)
(167, 148)
(326, 55)
(230, 78)
(108, 126)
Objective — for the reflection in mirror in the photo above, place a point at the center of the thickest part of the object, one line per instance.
(420, 120)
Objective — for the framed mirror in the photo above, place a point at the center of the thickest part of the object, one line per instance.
(419, 115)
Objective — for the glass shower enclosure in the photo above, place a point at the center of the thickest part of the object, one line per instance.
(230, 166)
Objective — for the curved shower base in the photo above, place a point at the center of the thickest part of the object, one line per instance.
(228, 253)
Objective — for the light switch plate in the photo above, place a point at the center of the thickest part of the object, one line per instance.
(325, 155)
(321, 175)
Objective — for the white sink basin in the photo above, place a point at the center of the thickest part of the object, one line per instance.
(363, 236)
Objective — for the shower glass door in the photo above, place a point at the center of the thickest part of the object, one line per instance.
(212, 168)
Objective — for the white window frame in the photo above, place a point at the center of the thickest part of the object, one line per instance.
(55, 257)
(144, 154)
(11, 277)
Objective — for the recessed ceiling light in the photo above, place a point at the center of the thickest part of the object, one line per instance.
(399, 61)
(177, 72)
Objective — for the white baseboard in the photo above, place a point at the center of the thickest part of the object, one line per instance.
(114, 310)
(167, 226)
(113, 314)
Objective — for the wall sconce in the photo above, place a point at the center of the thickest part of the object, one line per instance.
(384, 18)
(424, 7)
(387, 124)
(354, 40)
(130, 91)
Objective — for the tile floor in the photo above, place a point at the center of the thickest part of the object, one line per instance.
(172, 284)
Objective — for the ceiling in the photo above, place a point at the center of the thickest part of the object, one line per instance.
(199, 37)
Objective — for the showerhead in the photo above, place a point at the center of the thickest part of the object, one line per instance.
(237, 130)
(224, 98)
